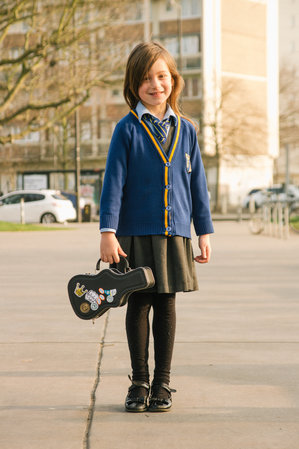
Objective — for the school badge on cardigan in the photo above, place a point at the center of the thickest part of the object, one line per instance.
(91, 295)
(188, 163)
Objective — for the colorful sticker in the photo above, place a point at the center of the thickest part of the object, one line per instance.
(80, 291)
(93, 297)
(109, 294)
(85, 307)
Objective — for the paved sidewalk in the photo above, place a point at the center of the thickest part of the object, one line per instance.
(235, 364)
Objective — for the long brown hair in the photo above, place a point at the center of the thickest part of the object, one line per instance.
(142, 57)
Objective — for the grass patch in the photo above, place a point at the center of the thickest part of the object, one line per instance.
(294, 220)
(16, 227)
(295, 225)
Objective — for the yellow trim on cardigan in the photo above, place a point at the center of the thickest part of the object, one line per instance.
(165, 161)
(166, 200)
(176, 139)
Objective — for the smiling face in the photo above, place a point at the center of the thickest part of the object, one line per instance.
(156, 87)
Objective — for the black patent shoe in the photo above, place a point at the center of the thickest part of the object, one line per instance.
(137, 397)
(160, 399)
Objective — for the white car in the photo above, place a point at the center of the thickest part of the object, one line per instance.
(254, 193)
(275, 193)
(40, 206)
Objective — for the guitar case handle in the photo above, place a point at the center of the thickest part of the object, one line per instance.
(123, 265)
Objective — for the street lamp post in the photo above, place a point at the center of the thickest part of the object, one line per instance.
(147, 21)
(178, 6)
(77, 163)
(180, 34)
(77, 142)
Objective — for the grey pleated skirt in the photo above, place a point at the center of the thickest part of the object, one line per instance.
(170, 258)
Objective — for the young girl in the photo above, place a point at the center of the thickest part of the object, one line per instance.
(154, 186)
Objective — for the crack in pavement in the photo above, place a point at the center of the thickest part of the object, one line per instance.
(89, 419)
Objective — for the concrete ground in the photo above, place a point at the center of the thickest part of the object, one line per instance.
(235, 365)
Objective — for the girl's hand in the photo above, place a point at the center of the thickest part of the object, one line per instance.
(110, 248)
(205, 248)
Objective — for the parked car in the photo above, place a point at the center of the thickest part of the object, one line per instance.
(40, 206)
(87, 205)
(250, 194)
(73, 198)
(275, 193)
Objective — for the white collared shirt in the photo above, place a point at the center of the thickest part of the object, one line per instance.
(141, 110)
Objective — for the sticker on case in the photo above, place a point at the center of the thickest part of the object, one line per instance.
(109, 294)
(93, 298)
(85, 307)
(80, 291)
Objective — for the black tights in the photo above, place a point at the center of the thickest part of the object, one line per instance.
(138, 333)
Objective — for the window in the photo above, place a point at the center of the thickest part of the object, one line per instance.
(29, 197)
(85, 50)
(172, 45)
(195, 87)
(64, 56)
(192, 87)
(191, 49)
(191, 45)
(18, 27)
(192, 62)
(65, 131)
(15, 52)
(116, 93)
(13, 199)
(31, 137)
(191, 8)
(85, 131)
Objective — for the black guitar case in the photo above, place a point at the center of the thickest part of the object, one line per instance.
(91, 295)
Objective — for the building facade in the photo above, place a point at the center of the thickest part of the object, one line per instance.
(240, 79)
(226, 51)
(287, 165)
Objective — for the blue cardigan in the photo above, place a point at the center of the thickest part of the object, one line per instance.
(147, 192)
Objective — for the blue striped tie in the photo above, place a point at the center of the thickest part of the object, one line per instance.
(160, 127)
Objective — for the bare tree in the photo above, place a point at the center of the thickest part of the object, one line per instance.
(289, 105)
(235, 127)
(53, 52)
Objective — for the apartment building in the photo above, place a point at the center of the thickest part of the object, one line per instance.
(287, 164)
(240, 78)
(227, 54)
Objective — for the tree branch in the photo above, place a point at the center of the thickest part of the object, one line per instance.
(34, 107)
(50, 122)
